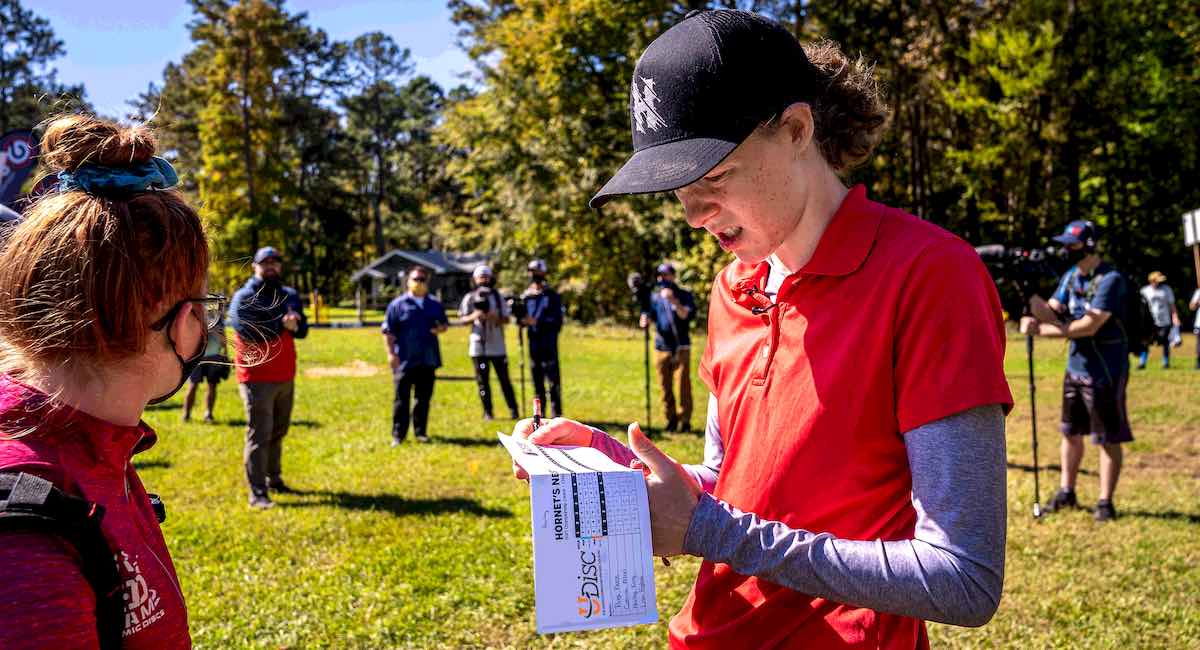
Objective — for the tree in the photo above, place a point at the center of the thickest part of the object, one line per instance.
(29, 87)
(376, 115)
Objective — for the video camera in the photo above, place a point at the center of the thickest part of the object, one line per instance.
(481, 299)
(1019, 273)
(516, 307)
(640, 291)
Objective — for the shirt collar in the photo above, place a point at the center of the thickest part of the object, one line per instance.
(849, 236)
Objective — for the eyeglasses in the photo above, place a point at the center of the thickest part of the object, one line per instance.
(214, 309)
(419, 279)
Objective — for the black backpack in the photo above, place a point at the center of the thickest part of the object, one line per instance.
(1137, 321)
(31, 503)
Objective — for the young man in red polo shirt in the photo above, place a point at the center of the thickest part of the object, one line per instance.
(853, 480)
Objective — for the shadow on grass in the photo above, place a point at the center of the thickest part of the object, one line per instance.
(618, 429)
(303, 424)
(454, 378)
(394, 504)
(152, 464)
(1043, 468)
(1170, 515)
(466, 442)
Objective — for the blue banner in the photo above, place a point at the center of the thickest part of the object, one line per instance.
(17, 153)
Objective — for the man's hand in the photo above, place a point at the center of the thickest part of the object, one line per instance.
(557, 431)
(1041, 310)
(1029, 325)
(644, 321)
(529, 321)
(291, 320)
(673, 494)
(393, 361)
(667, 294)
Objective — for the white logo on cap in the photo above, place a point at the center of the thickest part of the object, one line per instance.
(645, 116)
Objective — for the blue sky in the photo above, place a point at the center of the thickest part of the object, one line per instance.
(117, 50)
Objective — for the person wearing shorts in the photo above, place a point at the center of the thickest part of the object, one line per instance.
(213, 369)
(1089, 308)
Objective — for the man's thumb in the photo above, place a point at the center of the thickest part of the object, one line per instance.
(649, 453)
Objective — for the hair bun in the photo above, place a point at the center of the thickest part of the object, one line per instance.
(74, 140)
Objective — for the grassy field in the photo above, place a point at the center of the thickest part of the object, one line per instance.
(428, 545)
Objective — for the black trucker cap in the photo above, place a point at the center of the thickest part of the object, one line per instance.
(699, 90)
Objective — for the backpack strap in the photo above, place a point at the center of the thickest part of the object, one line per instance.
(31, 503)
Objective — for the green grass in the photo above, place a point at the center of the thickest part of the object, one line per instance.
(429, 546)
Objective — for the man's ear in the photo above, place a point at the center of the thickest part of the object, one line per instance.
(797, 120)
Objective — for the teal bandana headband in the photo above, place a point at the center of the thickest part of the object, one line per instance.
(155, 174)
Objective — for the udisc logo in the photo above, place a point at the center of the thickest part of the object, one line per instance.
(589, 599)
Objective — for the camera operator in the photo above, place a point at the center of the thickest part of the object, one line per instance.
(540, 309)
(486, 311)
(672, 307)
(1089, 307)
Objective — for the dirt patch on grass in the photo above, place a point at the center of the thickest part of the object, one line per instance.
(356, 368)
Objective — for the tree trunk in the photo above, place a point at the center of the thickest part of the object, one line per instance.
(248, 150)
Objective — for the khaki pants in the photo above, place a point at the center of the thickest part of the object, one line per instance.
(675, 368)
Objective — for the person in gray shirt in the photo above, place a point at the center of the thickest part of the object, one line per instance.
(486, 311)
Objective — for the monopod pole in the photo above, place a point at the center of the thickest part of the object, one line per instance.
(646, 360)
(1037, 491)
(521, 344)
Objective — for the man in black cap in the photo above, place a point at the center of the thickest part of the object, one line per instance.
(853, 483)
(671, 309)
(266, 318)
(544, 320)
(1090, 308)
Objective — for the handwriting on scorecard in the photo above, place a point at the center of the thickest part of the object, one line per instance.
(592, 559)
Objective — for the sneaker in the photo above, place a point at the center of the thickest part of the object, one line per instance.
(1105, 511)
(208, 419)
(487, 417)
(281, 488)
(261, 502)
(423, 439)
(187, 417)
(672, 425)
(1062, 500)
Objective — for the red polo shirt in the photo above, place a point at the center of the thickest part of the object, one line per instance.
(893, 324)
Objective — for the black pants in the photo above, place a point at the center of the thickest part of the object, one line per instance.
(418, 380)
(546, 370)
(485, 387)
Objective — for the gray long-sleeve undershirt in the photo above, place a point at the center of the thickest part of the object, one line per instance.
(951, 571)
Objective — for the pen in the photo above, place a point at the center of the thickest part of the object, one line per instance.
(537, 413)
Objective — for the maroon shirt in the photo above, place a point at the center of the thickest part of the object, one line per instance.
(45, 602)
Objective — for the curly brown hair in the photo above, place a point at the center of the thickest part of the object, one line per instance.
(849, 110)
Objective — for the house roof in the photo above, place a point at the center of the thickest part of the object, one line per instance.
(440, 262)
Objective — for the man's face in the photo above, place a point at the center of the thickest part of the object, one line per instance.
(754, 199)
(269, 269)
(418, 283)
(666, 277)
(483, 279)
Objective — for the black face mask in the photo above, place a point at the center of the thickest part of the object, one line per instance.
(186, 366)
(1076, 256)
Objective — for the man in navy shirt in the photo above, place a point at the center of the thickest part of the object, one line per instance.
(544, 318)
(410, 328)
(671, 308)
(1089, 308)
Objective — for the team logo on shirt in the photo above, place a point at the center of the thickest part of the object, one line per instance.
(142, 604)
(645, 115)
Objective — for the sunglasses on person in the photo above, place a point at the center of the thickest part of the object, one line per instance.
(419, 278)
(213, 305)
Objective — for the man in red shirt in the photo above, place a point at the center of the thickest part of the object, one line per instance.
(853, 480)
(266, 318)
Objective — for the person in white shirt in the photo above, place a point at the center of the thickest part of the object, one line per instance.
(1162, 307)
